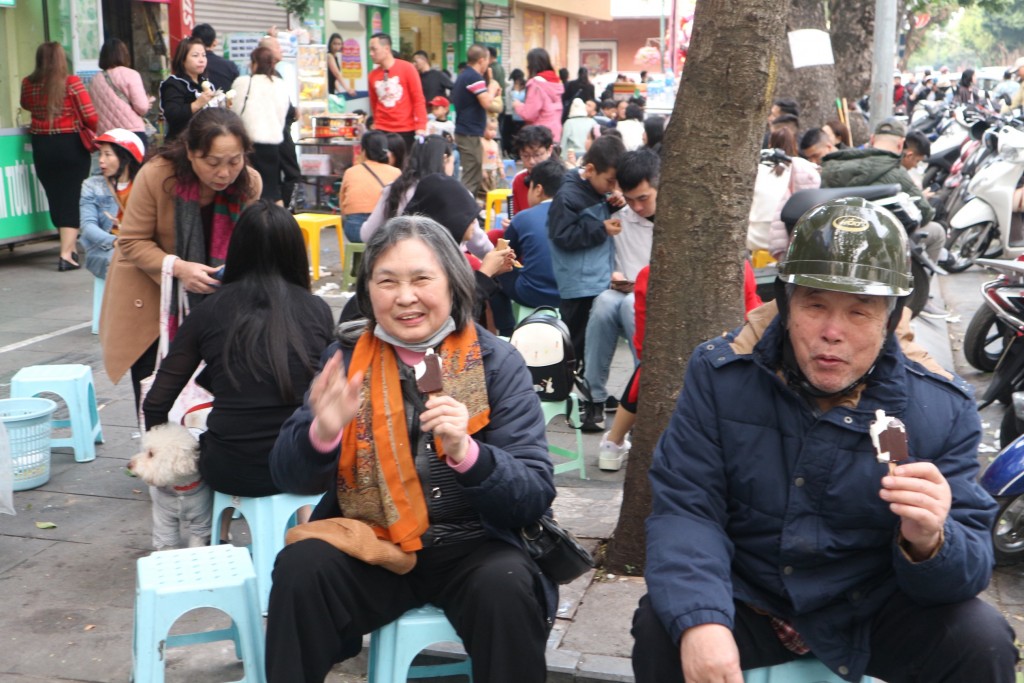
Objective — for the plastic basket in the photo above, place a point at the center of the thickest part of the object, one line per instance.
(29, 425)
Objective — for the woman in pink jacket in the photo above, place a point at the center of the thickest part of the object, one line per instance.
(117, 92)
(543, 104)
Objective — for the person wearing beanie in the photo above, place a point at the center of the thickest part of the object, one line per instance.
(444, 199)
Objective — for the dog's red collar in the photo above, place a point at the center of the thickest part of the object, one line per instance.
(189, 487)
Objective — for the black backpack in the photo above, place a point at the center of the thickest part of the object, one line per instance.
(543, 341)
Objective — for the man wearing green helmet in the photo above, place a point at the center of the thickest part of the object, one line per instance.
(775, 530)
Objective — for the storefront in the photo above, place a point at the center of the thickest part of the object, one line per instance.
(555, 26)
(433, 28)
(23, 26)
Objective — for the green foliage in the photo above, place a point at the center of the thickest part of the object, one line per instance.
(299, 8)
(983, 34)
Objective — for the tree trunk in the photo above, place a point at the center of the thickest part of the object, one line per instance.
(813, 87)
(853, 34)
(709, 159)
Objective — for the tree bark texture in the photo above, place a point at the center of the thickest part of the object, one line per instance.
(813, 87)
(709, 159)
(853, 34)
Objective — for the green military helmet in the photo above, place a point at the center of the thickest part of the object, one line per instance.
(849, 245)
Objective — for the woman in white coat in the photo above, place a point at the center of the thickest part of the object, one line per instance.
(262, 101)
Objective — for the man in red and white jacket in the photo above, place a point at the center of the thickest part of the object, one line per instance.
(396, 92)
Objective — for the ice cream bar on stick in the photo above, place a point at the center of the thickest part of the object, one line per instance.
(503, 244)
(429, 382)
(889, 436)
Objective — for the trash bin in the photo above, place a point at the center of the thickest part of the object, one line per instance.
(29, 424)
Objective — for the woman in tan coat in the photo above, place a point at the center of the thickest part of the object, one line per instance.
(184, 202)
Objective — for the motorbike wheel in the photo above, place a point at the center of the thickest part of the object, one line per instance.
(1008, 531)
(922, 283)
(984, 340)
(1009, 427)
(966, 245)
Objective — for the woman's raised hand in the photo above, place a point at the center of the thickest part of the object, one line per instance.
(334, 399)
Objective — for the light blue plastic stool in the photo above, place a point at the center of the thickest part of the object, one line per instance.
(576, 461)
(98, 285)
(73, 383)
(510, 170)
(808, 670)
(393, 647)
(172, 582)
(269, 518)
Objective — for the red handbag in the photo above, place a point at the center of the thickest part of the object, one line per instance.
(85, 134)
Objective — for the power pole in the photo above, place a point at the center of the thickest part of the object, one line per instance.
(884, 61)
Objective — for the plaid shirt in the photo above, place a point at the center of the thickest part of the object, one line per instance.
(33, 99)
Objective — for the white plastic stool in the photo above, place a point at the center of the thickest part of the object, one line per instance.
(73, 383)
(172, 582)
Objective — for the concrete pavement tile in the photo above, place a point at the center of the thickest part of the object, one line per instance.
(105, 476)
(14, 550)
(569, 596)
(588, 512)
(84, 519)
(605, 668)
(603, 619)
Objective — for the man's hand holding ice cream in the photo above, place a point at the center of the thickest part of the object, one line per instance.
(915, 491)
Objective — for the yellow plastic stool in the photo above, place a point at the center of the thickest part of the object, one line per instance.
(311, 224)
(350, 265)
(761, 258)
(495, 200)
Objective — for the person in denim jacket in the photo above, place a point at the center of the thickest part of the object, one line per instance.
(104, 196)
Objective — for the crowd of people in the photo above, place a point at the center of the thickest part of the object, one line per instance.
(776, 532)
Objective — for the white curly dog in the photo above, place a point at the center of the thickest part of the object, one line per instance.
(169, 463)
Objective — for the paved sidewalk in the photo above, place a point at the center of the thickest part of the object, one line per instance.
(68, 592)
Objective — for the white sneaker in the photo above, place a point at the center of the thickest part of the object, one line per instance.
(611, 454)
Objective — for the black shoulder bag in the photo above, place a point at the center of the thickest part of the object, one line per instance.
(556, 551)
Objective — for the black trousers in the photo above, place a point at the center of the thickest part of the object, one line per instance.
(142, 368)
(323, 601)
(62, 164)
(575, 314)
(963, 642)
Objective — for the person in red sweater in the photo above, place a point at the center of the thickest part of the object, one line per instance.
(396, 92)
(614, 445)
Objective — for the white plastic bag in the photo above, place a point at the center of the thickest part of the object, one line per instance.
(6, 473)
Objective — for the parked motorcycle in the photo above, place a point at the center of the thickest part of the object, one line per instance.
(1005, 297)
(995, 321)
(891, 198)
(1004, 481)
(982, 226)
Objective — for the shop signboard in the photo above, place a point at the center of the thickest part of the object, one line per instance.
(24, 211)
(488, 38)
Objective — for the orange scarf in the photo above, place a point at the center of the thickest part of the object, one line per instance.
(377, 480)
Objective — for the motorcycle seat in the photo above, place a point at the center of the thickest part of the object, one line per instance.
(803, 201)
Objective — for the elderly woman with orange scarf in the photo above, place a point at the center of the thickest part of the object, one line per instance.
(426, 433)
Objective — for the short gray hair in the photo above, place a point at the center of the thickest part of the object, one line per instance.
(461, 282)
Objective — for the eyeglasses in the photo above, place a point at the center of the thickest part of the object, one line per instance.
(538, 156)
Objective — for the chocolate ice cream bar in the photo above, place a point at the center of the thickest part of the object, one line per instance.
(430, 381)
(889, 436)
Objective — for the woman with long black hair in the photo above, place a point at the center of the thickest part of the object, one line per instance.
(432, 154)
(261, 335)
